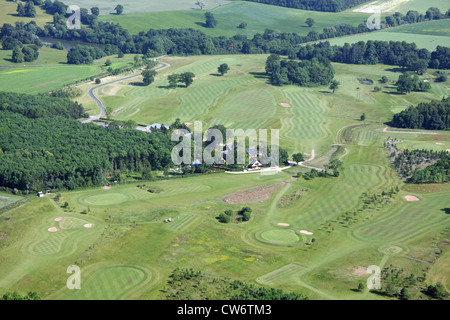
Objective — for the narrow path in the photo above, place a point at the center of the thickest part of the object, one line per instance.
(415, 132)
(100, 104)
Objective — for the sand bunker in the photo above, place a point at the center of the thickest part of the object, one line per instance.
(439, 143)
(53, 229)
(285, 105)
(188, 124)
(106, 188)
(306, 232)
(195, 78)
(411, 198)
(283, 224)
(87, 225)
(58, 219)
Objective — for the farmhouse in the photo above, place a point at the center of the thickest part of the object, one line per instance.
(152, 127)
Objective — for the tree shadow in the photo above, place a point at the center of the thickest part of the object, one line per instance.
(259, 75)
(446, 210)
(215, 74)
(327, 92)
(166, 87)
(201, 24)
(395, 69)
(137, 84)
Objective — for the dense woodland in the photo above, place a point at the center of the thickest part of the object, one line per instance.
(46, 148)
(433, 115)
(316, 5)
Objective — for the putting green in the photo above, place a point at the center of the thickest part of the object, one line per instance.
(111, 283)
(104, 199)
(282, 237)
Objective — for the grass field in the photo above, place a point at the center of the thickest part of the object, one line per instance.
(403, 6)
(258, 17)
(9, 15)
(426, 35)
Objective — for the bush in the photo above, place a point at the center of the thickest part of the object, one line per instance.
(224, 218)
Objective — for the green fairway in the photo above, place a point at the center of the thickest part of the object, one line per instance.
(258, 17)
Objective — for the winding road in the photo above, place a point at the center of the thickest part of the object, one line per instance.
(100, 104)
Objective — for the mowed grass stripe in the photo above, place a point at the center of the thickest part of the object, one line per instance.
(278, 276)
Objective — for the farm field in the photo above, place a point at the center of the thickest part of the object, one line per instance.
(427, 35)
(403, 6)
(258, 17)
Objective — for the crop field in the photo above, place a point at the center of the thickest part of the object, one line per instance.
(257, 16)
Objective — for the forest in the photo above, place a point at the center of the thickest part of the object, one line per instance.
(434, 115)
(44, 147)
(316, 5)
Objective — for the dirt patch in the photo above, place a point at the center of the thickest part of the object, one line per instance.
(53, 229)
(87, 225)
(253, 195)
(167, 74)
(361, 271)
(306, 232)
(59, 219)
(411, 198)
(285, 105)
(106, 188)
(195, 78)
(448, 150)
(440, 144)
(188, 124)
(117, 110)
(283, 224)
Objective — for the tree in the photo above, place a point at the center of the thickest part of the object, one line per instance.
(223, 68)
(298, 157)
(30, 10)
(17, 55)
(224, 218)
(173, 80)
(309, 22)
(21, 10)
(95, 11)
(98, 81)
(108, 62)
(360, 287)
(384, 79)
(334, 85)
(200, 4)
(119, 9)
(242, 25)
(210, 20)
(363, 117)
(437, 291)
(149, 76)
(186, 78)
(404, 294)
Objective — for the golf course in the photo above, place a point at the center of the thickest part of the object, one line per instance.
(316, 236)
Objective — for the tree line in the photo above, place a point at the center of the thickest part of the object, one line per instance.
(316, 5)
(397, 53)
(433, 115)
